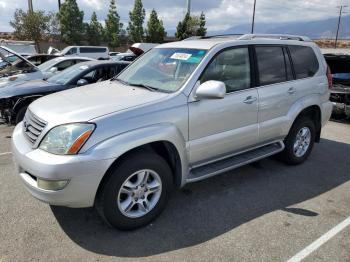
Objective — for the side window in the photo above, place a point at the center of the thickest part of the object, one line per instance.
(271, 64)
(72, 51)
(304, 61)
(231, 67)
(65, 64)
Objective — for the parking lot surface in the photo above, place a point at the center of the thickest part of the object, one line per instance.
(261, 212)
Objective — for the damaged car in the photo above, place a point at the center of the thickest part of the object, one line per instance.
(16, 68)
(15, 99)
(339, 65)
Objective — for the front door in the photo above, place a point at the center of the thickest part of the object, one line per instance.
(220, 127)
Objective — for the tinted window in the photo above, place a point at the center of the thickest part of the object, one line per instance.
(288, 64)
(92, 50)
(72, 51)
(271, 64)
(304, 61)
(231, 67)
(65, 64)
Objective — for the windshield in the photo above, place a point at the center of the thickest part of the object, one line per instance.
(12, 64)
(165, 69)
(47, 65)
(65, 76)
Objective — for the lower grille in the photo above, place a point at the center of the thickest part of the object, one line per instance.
(32, 126)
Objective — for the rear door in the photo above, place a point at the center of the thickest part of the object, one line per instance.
(276, 90)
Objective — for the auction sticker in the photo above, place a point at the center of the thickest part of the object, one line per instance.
(181, 56)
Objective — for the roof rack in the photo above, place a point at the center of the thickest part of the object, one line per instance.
(275, 36)
(212, 36)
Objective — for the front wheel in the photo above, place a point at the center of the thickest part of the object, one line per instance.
(299, 142)
(136, 192)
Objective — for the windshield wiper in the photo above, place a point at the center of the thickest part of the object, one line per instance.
(150, 88)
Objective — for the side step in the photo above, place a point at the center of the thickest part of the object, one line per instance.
(233, 162)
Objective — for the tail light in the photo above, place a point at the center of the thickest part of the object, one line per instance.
(330, 78)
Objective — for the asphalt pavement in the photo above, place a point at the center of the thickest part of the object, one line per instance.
(261, 212)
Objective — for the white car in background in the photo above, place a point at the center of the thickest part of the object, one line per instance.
(58, 64)
(15, 68)
(95, 52)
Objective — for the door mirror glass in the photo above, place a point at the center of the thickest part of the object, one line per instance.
(211, 90)
(82, 82)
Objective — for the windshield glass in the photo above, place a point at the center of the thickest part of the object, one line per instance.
(65, 76)
(12, 64)
(165, 69)
(49, 64)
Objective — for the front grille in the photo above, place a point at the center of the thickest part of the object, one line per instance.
(32, 126)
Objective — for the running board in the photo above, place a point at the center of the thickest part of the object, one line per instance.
(233, 162)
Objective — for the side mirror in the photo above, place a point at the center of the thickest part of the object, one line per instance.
(53, 70)
(211, 90)
(82, 82)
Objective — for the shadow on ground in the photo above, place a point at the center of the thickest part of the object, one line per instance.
(207, 209)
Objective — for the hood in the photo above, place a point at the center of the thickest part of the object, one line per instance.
(88, 102)
(27, 88)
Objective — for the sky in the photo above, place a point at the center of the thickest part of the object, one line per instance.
(220, 14)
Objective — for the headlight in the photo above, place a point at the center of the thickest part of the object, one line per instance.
(67, 139)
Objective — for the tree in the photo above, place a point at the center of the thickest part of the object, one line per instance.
(137, 17)
(183, 28)
(71, 22)
(191, 26)
(113, 26)
(94, 31)
(202, 30)
(155, 32)
(31, 25)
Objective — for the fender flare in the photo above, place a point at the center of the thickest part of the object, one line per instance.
(118, 145)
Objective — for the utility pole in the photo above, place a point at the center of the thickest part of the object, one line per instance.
(253, 21)
(59, 5)
(30, 6)
(189, 7)
(338, 25)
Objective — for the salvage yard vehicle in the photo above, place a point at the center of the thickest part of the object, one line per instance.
(15, 99)
(182, 112)
(16, 68)
(56, 65)
(339, 65)
(95, 52)
(40, 58)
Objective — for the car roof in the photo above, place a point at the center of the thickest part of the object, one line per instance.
(211, 41)
(103, 62)
(64, 58)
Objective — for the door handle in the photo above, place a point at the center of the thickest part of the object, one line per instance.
(250, 100)
(291, 90)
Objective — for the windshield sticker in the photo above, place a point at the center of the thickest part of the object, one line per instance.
(181, 56)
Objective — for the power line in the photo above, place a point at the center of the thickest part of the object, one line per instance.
(338, 25)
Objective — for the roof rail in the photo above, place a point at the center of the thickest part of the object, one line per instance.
(213, 36)
(275, 36)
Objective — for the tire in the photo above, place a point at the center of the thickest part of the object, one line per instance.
(293, 156)
(20, 114)
(111, 199)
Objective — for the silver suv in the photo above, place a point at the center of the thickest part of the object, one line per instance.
(182, 112)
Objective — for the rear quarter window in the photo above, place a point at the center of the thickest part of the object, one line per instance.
(304, 61)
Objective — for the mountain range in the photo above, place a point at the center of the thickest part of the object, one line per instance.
(325, 28)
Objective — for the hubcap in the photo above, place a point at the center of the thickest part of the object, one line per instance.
(302, 142)
(139, 193)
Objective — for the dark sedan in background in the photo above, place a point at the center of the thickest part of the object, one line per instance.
(15, 99)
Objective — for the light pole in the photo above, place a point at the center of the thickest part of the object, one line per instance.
(59, 4)
(189, 7)
(30, 5)
(338, 25)
(253, 21)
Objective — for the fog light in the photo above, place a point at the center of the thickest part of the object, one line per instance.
(51, 184)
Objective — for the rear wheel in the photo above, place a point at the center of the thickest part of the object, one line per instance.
(299, 142)
(136, 192)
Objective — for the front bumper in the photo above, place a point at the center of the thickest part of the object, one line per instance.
(83, 172)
